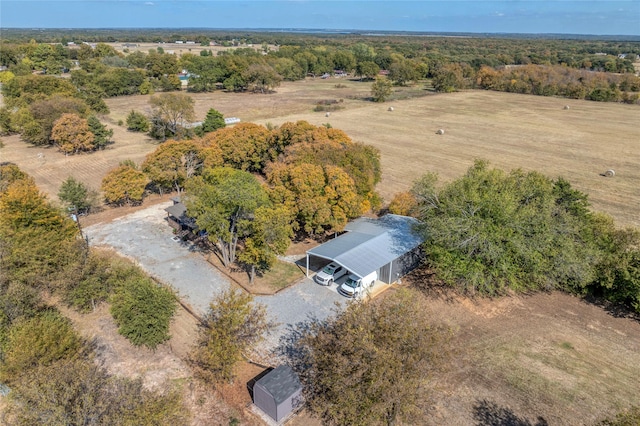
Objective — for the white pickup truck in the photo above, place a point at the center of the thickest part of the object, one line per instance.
(355, 286)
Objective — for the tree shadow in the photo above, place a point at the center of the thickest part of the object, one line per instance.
(290, 348)
(616, 310)
(251, 383)
(487, 413)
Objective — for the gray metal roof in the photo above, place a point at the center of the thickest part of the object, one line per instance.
(370, 244)
(281, 383)
(176, 210)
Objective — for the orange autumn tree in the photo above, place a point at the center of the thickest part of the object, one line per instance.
(124, 185)
(243, 146)
(321, 198)
(71, 134)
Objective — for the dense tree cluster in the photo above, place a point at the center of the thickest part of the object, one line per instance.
(49, 368)
(490, 232)
(582, 69)
(301, 177)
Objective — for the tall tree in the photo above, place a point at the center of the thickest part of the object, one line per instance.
(101, 135)
(124, 185)
(381, 89)
(212, 122)
(76, 196)
(262, 77)
(172, 163)
(72, 134)
(269, 235)
(221, 200)
(371, 363)
(171, 113)
(233, 325)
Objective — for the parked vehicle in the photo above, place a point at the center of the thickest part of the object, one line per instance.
(330, 273)
(356, 286)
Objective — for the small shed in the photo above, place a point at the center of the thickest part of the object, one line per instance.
(278, 393)
(178, 219)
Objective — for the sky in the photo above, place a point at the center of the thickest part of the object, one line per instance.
(603, 17)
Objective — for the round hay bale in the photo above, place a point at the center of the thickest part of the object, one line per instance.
(390, 109)
(566, 107)
(327, 114)
(610, 173)
(440, 132)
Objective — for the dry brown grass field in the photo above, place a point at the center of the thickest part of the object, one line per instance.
(179, 49)
(509, 130)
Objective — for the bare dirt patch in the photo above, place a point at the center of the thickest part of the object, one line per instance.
(548, 355)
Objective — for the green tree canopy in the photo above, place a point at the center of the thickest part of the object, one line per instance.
(221, 201)
(213, 121)
(78, 391)
(381, 89)
(40, 340)
(101, 135)
(137, 122)
(143, 310)
(233, 325)
(76, 196)
(490, 231)
(370, 364)
(269, 235)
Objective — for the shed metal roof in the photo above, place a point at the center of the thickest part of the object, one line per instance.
(281, 382)
(371, 243)
(176, 210)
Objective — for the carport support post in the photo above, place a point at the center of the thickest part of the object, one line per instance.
(307, 265)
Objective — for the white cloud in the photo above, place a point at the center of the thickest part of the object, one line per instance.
(149, 3)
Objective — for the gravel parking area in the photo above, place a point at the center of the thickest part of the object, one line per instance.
(145, 237)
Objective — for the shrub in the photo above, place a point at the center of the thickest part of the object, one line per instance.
(143, 310)
(40, 340)
(137, 122)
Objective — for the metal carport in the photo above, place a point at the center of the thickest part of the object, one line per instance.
(388, 245)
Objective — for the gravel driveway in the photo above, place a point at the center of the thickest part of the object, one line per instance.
(145, 237)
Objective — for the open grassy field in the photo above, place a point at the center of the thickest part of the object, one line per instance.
(509, 130)
(517, 359)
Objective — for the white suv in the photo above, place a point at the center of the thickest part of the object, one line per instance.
(330, 273)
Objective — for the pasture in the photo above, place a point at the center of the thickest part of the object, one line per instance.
(509, 130)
